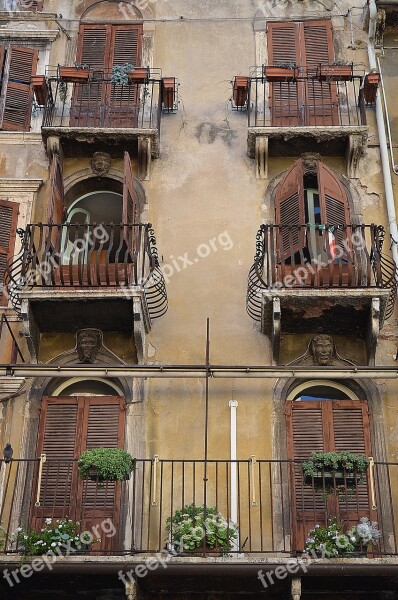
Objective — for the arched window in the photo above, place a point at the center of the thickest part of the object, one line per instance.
(322, 417)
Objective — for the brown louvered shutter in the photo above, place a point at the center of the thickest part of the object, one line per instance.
(317, 47)
(89, 100)
(325, 426)
(69, 425)
(126, 41)
(20, 65)
(283, 46)
(289, 211)
(8, 226)
(55, 205)
(334, 204)
(33, 5)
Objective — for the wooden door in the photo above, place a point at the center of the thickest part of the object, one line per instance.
(325, 426)
(305, 101)
(100, 103)
(69, 425)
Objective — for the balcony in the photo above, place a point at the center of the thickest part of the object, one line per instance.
(270, 501)
(100, 275)
(94, 110)
(341, 270)
(320, 113)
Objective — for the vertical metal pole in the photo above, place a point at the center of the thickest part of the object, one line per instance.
(206, 423)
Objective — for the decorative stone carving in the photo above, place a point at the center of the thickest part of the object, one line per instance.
(310, 162)
(296, 588)
(88, 344)
(321, 351)
(101, 163)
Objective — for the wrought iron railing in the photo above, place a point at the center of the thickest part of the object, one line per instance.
(75, 255)
(319, 256)
(270, 502)
(98, 102)
(305, 100)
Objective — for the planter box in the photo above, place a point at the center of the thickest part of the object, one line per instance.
(329, 478)
(279, 73)
(93, 476)
(334, 72)
(40, 89)
(168, 92)
(370, 87)
(139, 75)
(74, 74)
(240, 91)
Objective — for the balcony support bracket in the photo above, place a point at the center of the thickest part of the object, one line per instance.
(373, 330)
(261, 156)
(144, 157)
(131, 589)
(53, 146)
(276, 329)
(30, 331)
(356, 148)
(296, 588)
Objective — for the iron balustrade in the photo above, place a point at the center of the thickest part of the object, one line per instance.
(98, 255)
(319, 256)
(275, 506)
(306, 100)
(98, 102)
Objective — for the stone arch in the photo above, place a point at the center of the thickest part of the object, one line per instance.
(113, 10)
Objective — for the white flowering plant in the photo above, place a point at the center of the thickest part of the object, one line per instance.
(330, 541)
(61, 533)
(365, 533)
(188, 529)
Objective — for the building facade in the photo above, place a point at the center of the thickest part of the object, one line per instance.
(198, 250)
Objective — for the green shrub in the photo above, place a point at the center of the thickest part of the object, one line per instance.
(111, 464)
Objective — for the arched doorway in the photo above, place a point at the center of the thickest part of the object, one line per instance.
(81, 414)
(322, 416)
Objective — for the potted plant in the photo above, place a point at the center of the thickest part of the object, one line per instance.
(76, 74)
(282, 71)
(189, 531)
(365, 534)
(168, 92)
(340, 468)
(240, 91)
(336, 71)
(62, 534)
(370, 86)
(105, 464)
(328, 541)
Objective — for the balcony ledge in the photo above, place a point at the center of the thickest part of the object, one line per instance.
(296, 310)
(263, 142)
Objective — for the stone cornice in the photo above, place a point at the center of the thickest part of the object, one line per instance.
(43, 35)
(19, 185)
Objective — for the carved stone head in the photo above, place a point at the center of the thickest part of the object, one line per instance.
(310, 162)
(88, 344)
(101, 163)
(322, 349)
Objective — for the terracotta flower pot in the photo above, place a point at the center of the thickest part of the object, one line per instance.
(168, 92)
(335, 72)
(74, 74)
(40, 90)
(240, 91)
(276, 74)
(370, 87)
(139, 75)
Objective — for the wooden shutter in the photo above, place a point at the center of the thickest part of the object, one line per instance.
(89, 99)
(317, 47)
(283, 46)
(126, 41)
(334, 204)
(55, 207)
(17, 94)
(33, 5)
(325, 426)
(69, 425)
(289, 211)
(8, 226)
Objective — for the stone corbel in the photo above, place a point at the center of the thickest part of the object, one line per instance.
(140, 328)
(373, 330)
(54, 147)
(144, 157)
(261, 157)
(131, 589)
(30, 331)
(296, 588)
(356, 147)
(276, 328)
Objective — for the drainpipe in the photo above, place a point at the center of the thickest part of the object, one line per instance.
(234, 480)
(392, 219)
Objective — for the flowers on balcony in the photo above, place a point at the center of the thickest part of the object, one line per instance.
(57, 535)
(105, 464)
(335, 468)
(329, 541)
(189, 531)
